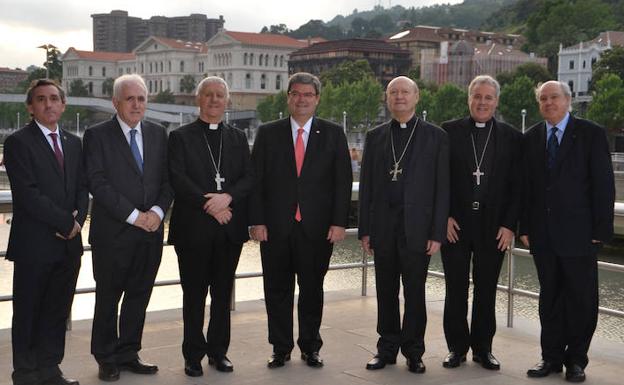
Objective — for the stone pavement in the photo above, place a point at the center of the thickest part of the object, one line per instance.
(350, 338)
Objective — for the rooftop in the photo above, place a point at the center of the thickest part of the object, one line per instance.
(359, 45)
(266, 39)
(99, 55)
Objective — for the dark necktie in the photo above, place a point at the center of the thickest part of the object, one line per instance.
(134, 148)
(58, 154)
(552, 147)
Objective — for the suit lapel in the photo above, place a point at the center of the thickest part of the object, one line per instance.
(149, 149)
(44, 145)
(467, 151)
(314, 138)
(69, 158)
(124, 147)
(287, 138)
(419, 145)
(202, 153)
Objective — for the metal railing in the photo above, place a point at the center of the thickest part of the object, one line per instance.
(364, 264)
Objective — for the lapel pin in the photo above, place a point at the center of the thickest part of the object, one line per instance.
(318, 132)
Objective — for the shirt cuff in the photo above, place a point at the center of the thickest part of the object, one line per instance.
(132, 217)
(158, 211)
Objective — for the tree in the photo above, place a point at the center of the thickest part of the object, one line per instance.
(78, 88)
(107, 86)
(360, 99)
(425, 103)
(607, 106)
(187, 84)
(515, 97)
(36, 73)
(270, 107)
(165, 97)
(347, 72)
(449, 102)
(534, 71)
(611, 62)
(280, 29)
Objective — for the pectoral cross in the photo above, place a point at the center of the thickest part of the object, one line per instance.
(396, 171)
(478, 174)
(218, 180)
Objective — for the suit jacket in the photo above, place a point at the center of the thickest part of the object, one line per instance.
(117, 185)
(192, 175)
(565, 210)
(44, 196)
(323, 190)
(504, 196)
(426, 187)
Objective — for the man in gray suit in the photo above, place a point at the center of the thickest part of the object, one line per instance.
(404, 203)
(126, 162)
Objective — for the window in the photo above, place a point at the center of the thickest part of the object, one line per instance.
(103, 89)
(571, 84)
(161, 67)
(229, 79)
(90, 71)
(182, 66)
(103, 72)
(593, 61)
(571, 65)
(260, 59)
(142, 68)
(90, 87)
(251, 57)
(150, 87)
(248, 81)
(266, 60)
(584, 64)
(275, 61)
(282, 61)
(263, 81)
(278, 82)
(120, 72)
(245, 59)
(151, 68)
(169, 65)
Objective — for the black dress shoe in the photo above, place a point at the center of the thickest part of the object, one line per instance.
(60, 380)
(487, 360)
(575, 373)
(108, 372)
(193, 368)
(543, 368)
(453, 360)
(378, 362)
(278, 360)
(222, 364)
(139, 367)
(415, 365)
(312, 359)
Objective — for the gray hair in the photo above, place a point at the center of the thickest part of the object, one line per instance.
(210, 80)
(565, 89)
(123, 80)
(414, 84)
(305, 78)
(484, 79)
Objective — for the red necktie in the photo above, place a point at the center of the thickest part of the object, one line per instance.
(57, 150)
(299, 155)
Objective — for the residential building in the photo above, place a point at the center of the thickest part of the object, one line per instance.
(10, 78)
(576, 62)
(386, 60)
(118, 32)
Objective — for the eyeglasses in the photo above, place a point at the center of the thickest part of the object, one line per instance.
(305, 95)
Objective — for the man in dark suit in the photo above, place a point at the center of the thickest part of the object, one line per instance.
(299, 209)
(568, 215)
(210, 173)
(50, 200)
(485, 201)
(126, 163)
(404, 184)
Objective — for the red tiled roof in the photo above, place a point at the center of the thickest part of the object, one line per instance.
(266, 39)
(100, 55)
(182, 44)
(16, 70)
(358, 45)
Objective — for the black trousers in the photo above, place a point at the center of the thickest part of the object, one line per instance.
(486, 265)
(394, 262)
(201, 267)
(43, 292)
(282, 260)
(568, 306)
(128, 270)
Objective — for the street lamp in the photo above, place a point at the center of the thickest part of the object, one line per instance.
(48, 48)
(424, 113)
(523, 112)
(344, 121)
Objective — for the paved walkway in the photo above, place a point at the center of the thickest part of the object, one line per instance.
(350, 337)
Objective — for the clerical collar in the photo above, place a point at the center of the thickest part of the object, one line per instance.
(211, 126)
(408, 124)
(479, 124)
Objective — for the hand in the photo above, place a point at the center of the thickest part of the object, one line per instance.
(336, 234)
(75, 230)
(451, 230)
(525, 240)
(216, 202)
(153, 221)
(504, 236)
(223, 216)
(141, 221)
(259, 233)
(366, 245)
(432, 247)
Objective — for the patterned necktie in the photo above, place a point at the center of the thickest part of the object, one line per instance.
(552, 147)
(134, 148)
(57, 151)
(299, 155)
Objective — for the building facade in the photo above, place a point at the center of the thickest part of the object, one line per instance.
(10, 78)
(118, 32)
(576, 62)
(386, 60)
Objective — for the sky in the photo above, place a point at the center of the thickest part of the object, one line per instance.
(27, 24)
